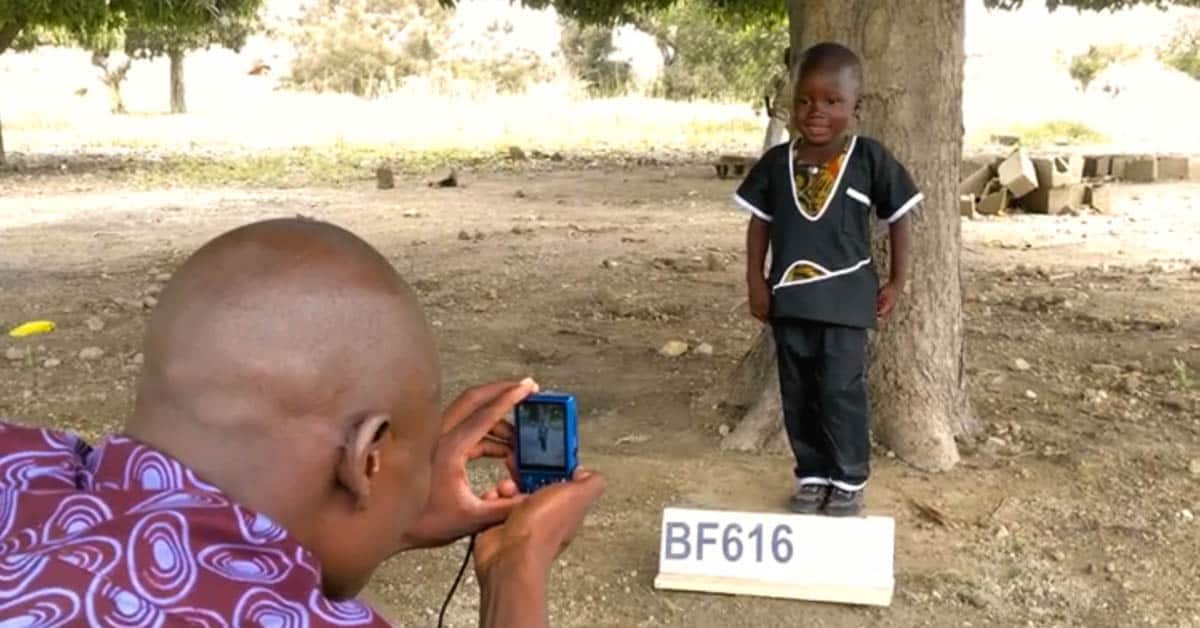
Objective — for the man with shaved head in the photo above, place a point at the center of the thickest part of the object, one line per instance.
(285, 441)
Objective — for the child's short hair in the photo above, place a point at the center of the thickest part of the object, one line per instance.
(831, 57)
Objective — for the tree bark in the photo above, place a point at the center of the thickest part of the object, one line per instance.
(756, 388)
(912, 56)
(178, 104)
(8, 33)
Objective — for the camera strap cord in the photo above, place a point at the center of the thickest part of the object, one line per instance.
(457, 579)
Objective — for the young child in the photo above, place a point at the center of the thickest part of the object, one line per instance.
(810, 200)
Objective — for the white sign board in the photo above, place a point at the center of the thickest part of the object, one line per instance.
(847, 560)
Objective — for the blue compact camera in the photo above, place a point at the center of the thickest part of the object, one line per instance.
(547, 442)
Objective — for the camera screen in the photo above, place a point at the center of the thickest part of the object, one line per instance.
(542, 430)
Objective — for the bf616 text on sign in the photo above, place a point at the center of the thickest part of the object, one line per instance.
(846, 560)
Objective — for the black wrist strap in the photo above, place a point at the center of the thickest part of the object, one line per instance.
(457, 579)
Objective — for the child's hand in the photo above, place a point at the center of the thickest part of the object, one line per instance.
(760, 299)
(888, 295)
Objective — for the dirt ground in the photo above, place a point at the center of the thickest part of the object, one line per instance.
(1075, 507)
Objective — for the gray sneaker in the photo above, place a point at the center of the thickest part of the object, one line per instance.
(809, 498)
(843, 503)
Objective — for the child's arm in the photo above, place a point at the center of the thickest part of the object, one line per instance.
(889, 294)
(894, 195)
(753, 196)
(757, 238)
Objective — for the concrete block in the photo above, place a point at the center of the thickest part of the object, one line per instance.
(1194, 169)
(1141, 170)
(1053, 172)
(1099, 198)
(975, 183)
(1171, 168)
(966, 206)
(994, 202)
(1017, 174)
(1066, 199)
(1119, 162)
(1054, 200)
(1097, 166)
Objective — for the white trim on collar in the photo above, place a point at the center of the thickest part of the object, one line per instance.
(837, 183)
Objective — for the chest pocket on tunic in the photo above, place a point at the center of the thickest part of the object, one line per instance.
(856, 213)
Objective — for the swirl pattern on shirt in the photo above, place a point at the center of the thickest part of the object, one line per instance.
(125, 536)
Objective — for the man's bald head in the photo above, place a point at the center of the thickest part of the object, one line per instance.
(287, 363)
(290, 313)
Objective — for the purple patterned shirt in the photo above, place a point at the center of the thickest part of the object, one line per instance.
(123, 535)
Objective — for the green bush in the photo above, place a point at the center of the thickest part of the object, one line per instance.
(1182, 52)
(1084, 68)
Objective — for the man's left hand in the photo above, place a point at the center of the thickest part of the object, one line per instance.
(473, 427)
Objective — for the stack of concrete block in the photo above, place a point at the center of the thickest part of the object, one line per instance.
(1060, 186)
(1037, 184)
(976, 192)
(1143, 168)
(1048, 183)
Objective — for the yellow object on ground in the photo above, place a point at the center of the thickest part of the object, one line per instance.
(32, 328)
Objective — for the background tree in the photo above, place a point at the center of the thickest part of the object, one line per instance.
(496, 55)
(1182, 51)
(366, 47)
(913, 58)
(1086, 66)
(86, 19)
(148, 40)
(587, 49)
(707, 54)
(114, 65)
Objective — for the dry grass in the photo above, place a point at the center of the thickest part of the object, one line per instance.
(547, 119)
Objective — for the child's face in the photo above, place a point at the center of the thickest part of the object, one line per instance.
(825, 101)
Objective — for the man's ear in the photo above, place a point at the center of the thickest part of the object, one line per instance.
(360, 461)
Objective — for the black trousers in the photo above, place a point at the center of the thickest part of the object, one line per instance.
(823, 381)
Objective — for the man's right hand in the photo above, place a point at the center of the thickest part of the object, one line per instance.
(760, 298)
(513, 559)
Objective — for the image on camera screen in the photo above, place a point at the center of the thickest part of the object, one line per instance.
(542, 430)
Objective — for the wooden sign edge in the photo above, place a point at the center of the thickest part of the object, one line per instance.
(841, 594)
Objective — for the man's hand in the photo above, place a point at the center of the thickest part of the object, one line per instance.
(474, 426)
(538, 529)
(512, 561)
(760, 298)
(888, 295)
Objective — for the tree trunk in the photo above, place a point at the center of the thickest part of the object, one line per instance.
(178, 104)
(112, 74)
(8, 33)
(912, 56)
(756, 388)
